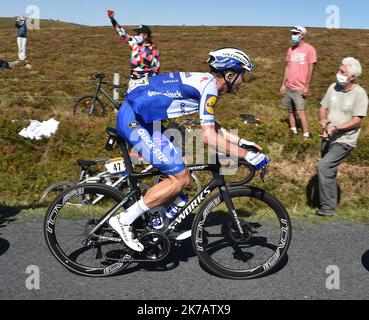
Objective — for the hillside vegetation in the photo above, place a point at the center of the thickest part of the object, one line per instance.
(65, 52)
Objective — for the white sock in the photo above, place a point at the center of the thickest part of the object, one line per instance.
(127, 217)
(307, 134)
(294, 130)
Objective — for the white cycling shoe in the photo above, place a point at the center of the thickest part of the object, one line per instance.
(126, 234)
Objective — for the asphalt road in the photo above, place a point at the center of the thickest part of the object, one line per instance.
(303, 276)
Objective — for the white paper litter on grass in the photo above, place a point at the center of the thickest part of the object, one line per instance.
(38, 130)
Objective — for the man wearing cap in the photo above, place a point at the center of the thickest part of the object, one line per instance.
(301, 58)
(145, 59)
(22, 38)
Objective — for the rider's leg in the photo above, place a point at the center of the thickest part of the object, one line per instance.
(159, 151)
(167, 189)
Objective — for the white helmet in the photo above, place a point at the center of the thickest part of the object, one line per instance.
(230, 58)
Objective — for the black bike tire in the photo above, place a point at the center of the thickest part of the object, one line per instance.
(247, 191)
(59, 184)
(79, 100)
(52, 242)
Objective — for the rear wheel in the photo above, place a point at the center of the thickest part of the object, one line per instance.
(88, 105)
(68, 230)
(226, 252)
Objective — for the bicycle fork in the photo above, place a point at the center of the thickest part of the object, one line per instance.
(231, 209)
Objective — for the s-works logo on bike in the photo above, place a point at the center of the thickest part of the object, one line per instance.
(191, 207)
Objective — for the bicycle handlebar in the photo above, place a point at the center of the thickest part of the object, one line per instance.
(99, 75)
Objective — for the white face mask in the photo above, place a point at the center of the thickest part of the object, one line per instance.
(139, 39)
(341, 79)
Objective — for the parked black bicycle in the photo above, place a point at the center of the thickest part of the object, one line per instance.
(92, 105)
(239, 232)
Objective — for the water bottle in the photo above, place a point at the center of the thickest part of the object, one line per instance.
(158, 218)
(177, 205)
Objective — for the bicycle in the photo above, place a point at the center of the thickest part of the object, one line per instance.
(115, 176)
(240, 232)
(92, 104)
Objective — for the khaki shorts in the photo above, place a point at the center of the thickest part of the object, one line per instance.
(293, 99)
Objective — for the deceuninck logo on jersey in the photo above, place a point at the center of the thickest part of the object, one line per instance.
(209, 105)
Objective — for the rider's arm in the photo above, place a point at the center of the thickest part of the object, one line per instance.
(234, 139)
(213, 139)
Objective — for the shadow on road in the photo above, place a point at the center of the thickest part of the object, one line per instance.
(176, 255)
(279, 267)
(7, 215)
(4, 246)
(365, 260)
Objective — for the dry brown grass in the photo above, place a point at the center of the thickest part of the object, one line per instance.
(70, 52)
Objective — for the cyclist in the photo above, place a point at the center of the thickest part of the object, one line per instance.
(145, 57)
(170, 96)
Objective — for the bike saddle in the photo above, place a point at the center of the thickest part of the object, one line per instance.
(86, 163)
(112, 132)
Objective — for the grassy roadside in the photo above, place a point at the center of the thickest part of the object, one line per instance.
(73, 52)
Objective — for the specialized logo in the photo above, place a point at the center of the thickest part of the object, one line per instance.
(133, 124)
(209, 105)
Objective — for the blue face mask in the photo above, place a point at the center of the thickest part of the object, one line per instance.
(295, 38)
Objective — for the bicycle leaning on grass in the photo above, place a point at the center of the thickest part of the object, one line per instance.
(239, 232)
(115, 175)
(92, 105)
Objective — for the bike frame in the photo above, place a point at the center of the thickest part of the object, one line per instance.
(99, 89)
(218, 181)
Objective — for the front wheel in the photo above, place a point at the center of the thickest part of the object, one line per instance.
(227, 253)
(90, 106)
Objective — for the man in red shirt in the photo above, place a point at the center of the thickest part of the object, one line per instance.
(301, 58)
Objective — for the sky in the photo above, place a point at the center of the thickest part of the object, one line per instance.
(309, 13)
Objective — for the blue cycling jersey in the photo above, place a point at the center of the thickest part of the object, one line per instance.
(174, 95)
(162, 97)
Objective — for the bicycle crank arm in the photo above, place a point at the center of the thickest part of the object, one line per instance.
(96, 237)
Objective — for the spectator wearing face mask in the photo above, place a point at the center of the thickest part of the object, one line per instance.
(301, 58)
(342, 110)
(22, 38)
(145, 58)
